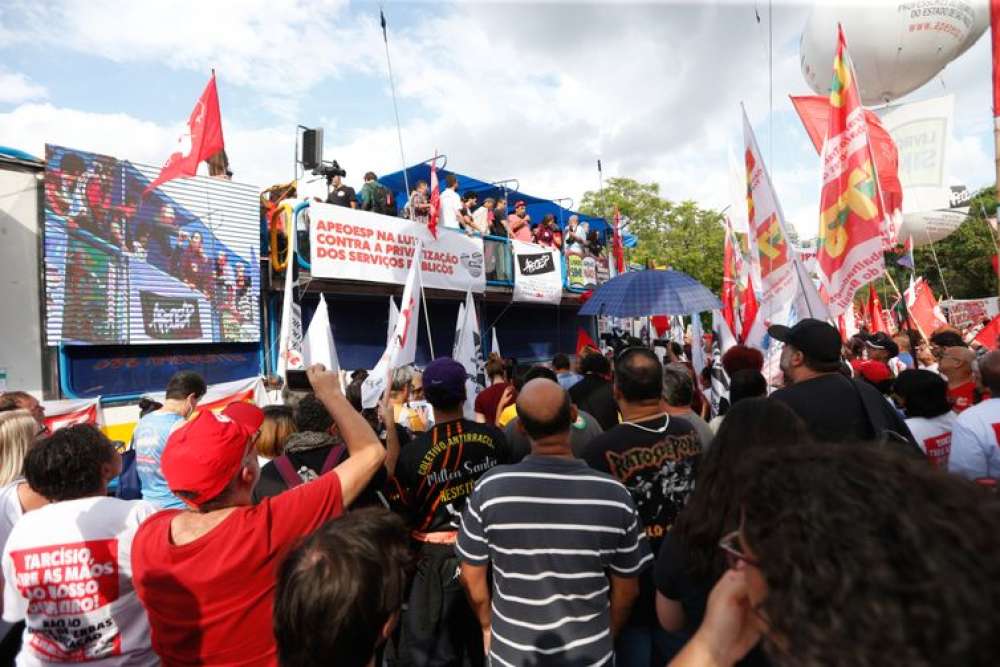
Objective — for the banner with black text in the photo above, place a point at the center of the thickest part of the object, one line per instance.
(537, 273)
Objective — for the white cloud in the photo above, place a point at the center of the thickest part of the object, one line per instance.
(15, 88)
(532, 91)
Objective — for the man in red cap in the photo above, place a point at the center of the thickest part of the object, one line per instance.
(206, 575)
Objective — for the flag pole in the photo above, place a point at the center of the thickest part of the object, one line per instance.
(395, 107)
(427, 313)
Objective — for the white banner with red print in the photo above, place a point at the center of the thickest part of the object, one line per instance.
(347, 244)
(60, 414)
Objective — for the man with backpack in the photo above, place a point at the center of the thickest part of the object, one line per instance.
(315, 449)
(377, 198)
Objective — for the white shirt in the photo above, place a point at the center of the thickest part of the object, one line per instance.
(974, 448)
(72, 559)
(934, 436)
(10, 512)
(451, 204)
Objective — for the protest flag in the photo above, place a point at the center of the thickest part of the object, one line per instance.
(202, 140)
(432, 221)
(317, 345)
(402, 347)
(851, 211)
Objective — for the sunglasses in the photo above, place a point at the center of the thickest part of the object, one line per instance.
(730, 544)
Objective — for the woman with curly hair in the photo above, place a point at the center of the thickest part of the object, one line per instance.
(690, 562)
(850, 555)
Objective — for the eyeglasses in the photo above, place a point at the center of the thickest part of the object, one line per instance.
(730, 544)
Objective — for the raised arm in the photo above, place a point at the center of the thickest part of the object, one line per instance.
(366, 452)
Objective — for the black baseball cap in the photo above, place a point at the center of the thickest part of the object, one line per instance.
(882, 341)
(816, 339)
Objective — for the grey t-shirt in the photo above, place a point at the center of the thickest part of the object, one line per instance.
(705, 433)
(583, 430)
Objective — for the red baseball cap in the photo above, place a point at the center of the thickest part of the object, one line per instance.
(875, 371)
(519, 203)
(201, 457)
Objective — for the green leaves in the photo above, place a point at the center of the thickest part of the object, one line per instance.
(679, 236)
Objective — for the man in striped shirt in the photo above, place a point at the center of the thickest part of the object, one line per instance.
(564, 541)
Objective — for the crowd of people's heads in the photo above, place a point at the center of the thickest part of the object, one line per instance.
(846, 552)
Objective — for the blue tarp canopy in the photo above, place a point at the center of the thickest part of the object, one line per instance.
(537, 206)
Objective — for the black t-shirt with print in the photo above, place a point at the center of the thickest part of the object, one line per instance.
(656, 460)
(342, 196)
(438, 469)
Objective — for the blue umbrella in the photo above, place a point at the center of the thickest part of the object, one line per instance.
(650, 292)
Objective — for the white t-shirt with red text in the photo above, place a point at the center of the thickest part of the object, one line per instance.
(68, 574)
(933, 434)
(975, 453)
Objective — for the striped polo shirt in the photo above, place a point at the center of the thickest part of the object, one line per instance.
(553, 529)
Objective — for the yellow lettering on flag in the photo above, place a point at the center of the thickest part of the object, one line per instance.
(859, 199)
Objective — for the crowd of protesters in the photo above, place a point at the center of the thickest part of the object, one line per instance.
(588, 514)
(465, 212)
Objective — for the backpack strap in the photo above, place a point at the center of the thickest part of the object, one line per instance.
(287, 471)
(332, 459)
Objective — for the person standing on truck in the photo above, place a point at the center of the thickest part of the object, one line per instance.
(184, 391)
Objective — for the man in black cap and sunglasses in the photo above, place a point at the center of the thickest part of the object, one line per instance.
(834, 407)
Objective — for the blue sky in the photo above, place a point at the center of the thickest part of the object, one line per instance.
(536, 91)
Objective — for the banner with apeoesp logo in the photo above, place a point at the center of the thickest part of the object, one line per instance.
(348, 244)
(537, 273)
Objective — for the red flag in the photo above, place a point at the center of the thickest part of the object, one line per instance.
(923, 308)
(750, 308)
(988, 336)
(661, 323)
(730, 276)
(202, 140)
(432, 221)
(814, 112)
(876, 320)
(583, 340)
(619, 249)
(851, 216)
(995, 31)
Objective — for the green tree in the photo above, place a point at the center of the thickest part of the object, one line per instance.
(681, 236)
(965, 256)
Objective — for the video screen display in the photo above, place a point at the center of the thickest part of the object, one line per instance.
(125, 265)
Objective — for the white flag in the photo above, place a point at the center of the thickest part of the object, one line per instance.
(770, 255)
(402, 347)
(393, 317)
(495, 348)
(808, 302)
(722, 331)
(290, 338)
(318, 346)
(468, 352)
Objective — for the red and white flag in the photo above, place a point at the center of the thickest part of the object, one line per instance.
(770, 256)
(730, 279)
(995, 33)
(989, 334)
(923, 308)
(432, 221)
(402, 347)
(60, 414)
(202, 140)
(851, 212)
(874, 314)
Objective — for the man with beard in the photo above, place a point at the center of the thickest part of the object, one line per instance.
(834, 407)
